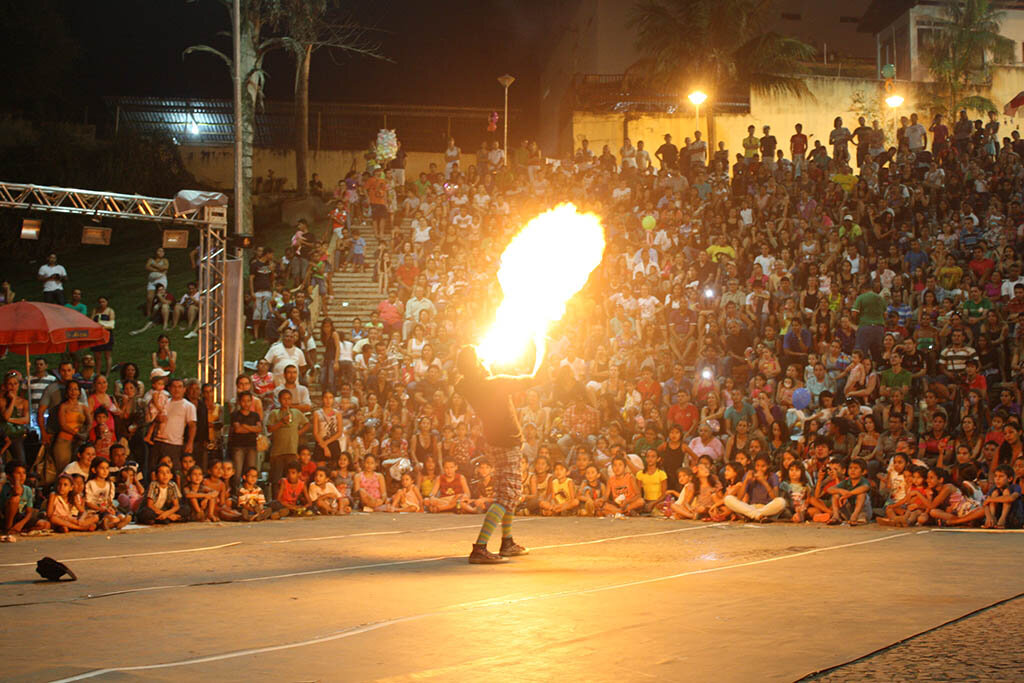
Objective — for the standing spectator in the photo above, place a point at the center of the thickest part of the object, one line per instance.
(176, 426)
(917, 136)
(667, 154)
(798, 149)
(397, 165)
(261, 288)
(14, 417)
(156, 271)
(869, 308)
(53, 277)
(284, 353)
(839, 138)
(285, 426)
(104, 315)
(452, 156)
(751, 145)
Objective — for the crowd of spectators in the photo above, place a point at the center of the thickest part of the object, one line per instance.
(810, 334)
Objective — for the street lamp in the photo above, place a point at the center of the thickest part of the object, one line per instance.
(506, 81)
(697, 98)
(894, 101)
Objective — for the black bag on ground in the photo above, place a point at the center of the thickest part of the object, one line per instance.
(51, 570)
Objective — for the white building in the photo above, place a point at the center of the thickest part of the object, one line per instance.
(901, 27)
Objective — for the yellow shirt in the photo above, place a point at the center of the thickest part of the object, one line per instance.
(651, 483)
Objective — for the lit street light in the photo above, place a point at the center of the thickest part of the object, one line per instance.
(894, 101)
(697, 97)
(506, 81)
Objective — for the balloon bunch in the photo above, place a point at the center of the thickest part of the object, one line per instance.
(387, 144)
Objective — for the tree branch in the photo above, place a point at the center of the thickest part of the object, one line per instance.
(209, 50)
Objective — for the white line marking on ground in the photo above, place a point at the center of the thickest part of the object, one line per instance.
(378, 565)
(447, 611)
(388, 533)
(121, 557)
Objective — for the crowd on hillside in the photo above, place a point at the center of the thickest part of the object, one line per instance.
(823, 333)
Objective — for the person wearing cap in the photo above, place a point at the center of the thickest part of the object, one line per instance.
(849, 229)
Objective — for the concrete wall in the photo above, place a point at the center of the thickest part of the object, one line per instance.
(214, 166)
(831, 97)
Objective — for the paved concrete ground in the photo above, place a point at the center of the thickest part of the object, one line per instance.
(981, 647)
(390, 597)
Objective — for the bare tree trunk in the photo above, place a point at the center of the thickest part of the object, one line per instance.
(302, 60)
(250, 94)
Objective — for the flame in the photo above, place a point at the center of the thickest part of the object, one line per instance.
(541, 269)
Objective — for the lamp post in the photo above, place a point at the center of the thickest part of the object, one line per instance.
(697, 98)
(894, 101)
(506, 81)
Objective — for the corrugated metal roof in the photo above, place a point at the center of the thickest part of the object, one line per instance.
(331, 125)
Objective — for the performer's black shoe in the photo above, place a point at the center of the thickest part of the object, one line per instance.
(510, 548)
(481, 555)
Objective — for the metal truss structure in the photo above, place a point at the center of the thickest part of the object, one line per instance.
(211, 223)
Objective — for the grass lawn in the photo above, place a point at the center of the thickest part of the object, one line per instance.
(118, 271)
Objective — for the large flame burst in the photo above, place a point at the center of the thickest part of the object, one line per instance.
(541, 269)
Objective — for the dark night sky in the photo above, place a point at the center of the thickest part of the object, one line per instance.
(445, 52)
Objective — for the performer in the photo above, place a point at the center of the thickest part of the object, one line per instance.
(491, 398)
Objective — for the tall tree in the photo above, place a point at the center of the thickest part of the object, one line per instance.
(959, 53)
(719, 46)
(308, 26)
(257, 17)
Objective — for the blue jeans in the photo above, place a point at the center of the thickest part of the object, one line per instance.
(869, 340)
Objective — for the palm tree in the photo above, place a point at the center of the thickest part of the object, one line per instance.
(958, 53)
(719, 46)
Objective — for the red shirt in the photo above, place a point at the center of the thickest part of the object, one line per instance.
(798, 143)
(684, 416)
(289, 493)
(377, 190)
(649, 389)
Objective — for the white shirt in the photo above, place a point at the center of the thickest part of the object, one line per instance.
(915, 136)
(766, 263)
(280, 357)
(300, 395)
(46, 270)
(179, 413)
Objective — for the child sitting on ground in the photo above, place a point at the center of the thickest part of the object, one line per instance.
(681, 505)
(1003, 506)
(324, 495)
(252, 503)
(951, 505)
(592, 493)
(653, 480)
(850, 500)
(370, 488)
(58, 510)
(291, 496)
(407, 498)
(307, 468)
(623, 492)
(706, 489)
(820, 504)
(17, 503)
(451, 492)
(163, 500)
(99, 496)
(130, 493)
(735, 489)
(483, 487)
(201, 499)
(215, 482)
(560, 498)
(344, 477)
(796, 490)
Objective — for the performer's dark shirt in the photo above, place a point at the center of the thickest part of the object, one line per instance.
(490, 398)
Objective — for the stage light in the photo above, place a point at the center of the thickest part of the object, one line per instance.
(30, 228)
(175, 239)
(95, 235)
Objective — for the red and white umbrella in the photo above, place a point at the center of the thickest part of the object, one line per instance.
(33, 327)
(1013, 105)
